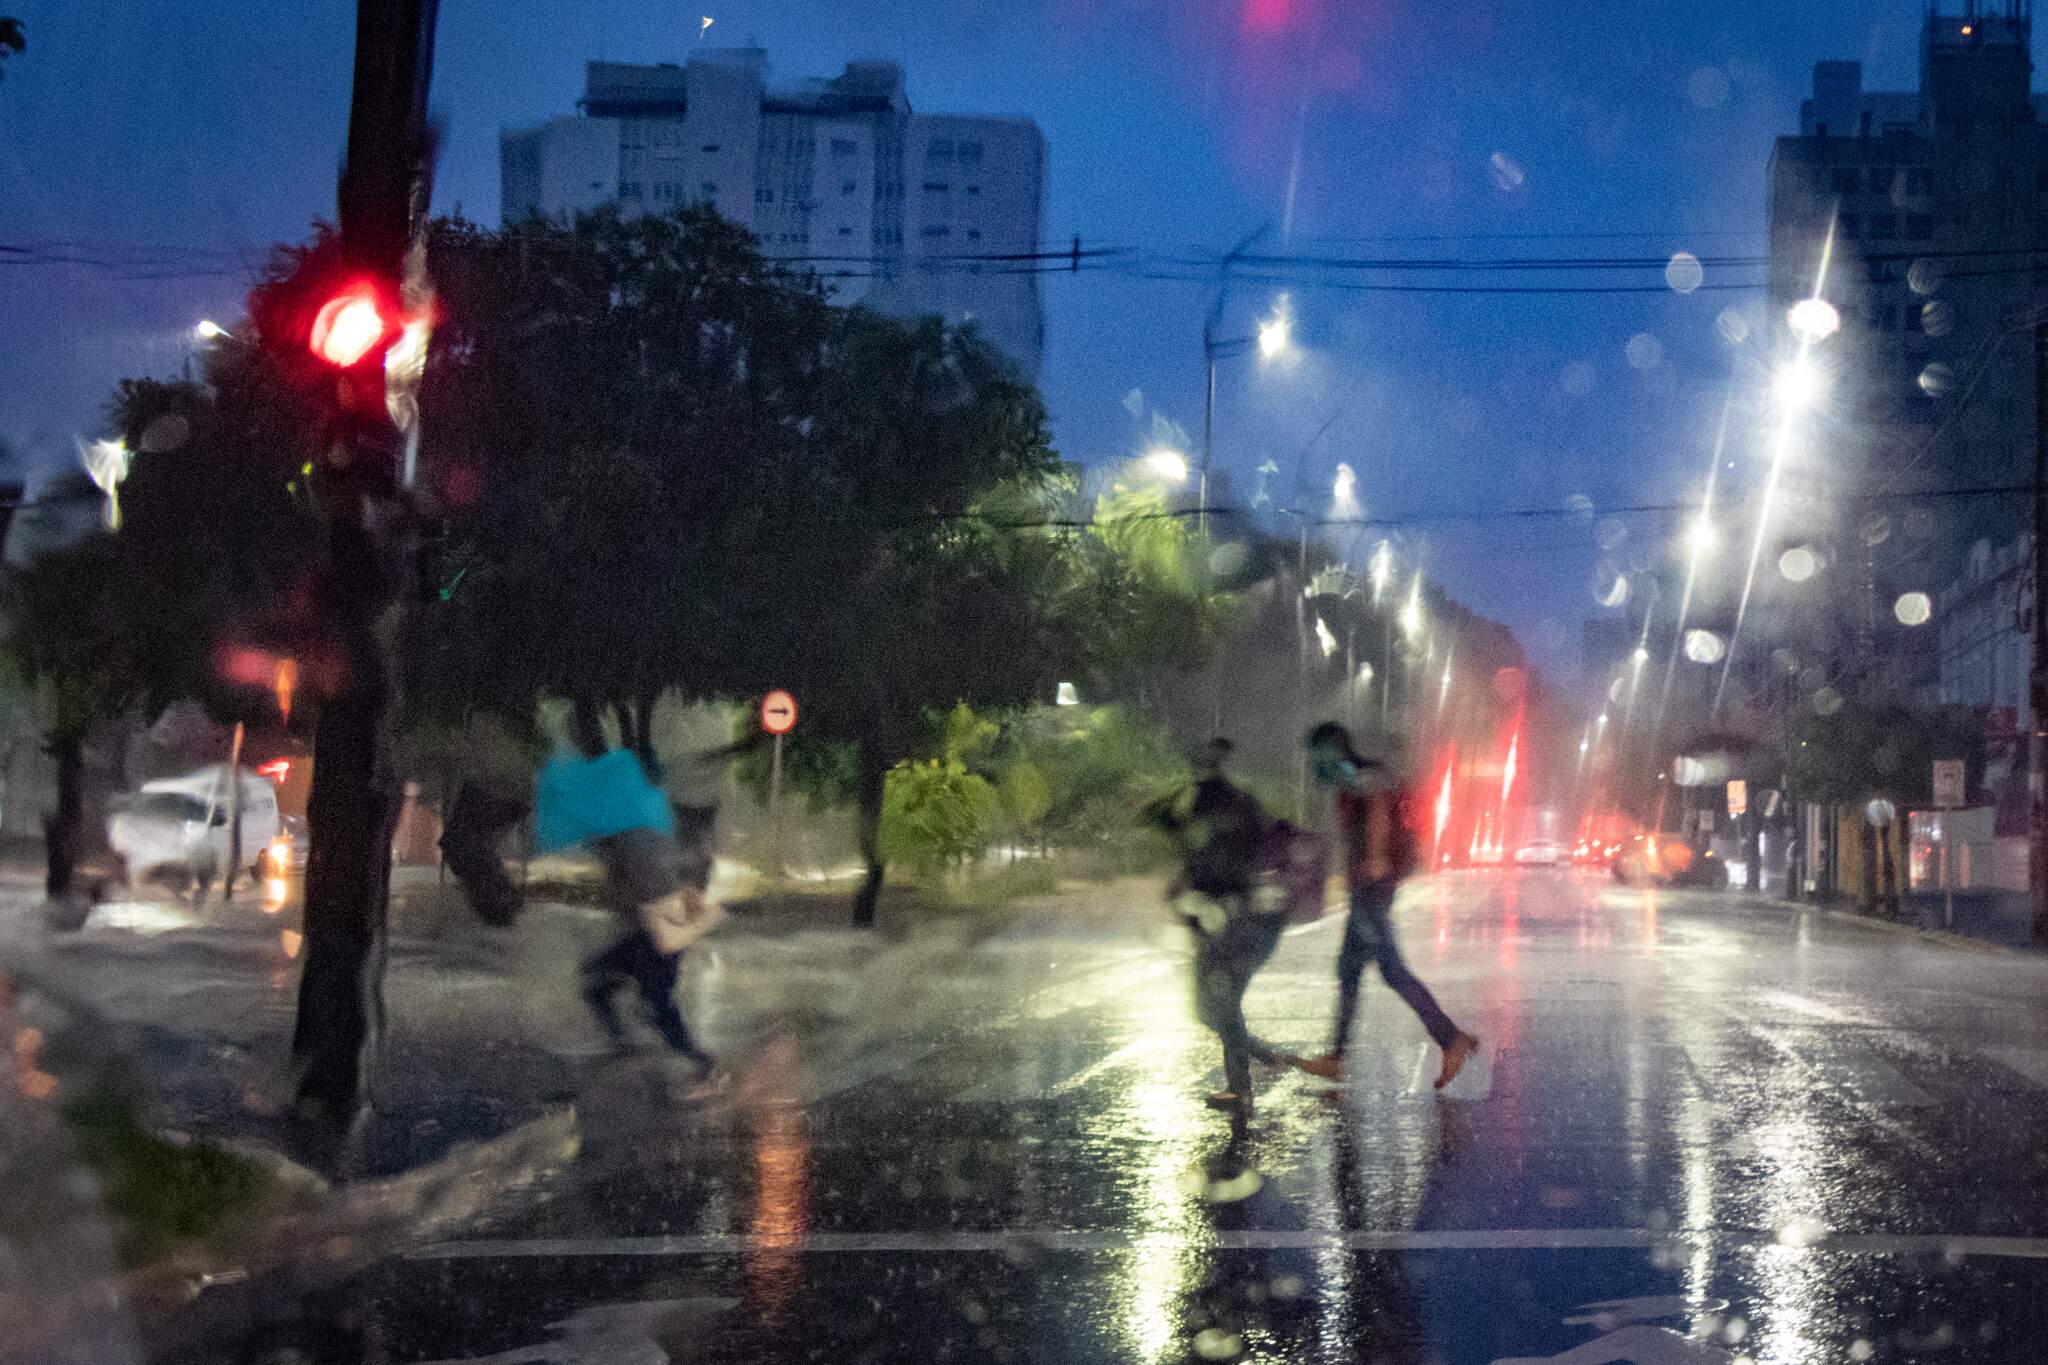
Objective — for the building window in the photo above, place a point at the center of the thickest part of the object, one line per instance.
(710, 189)
(711, 149)
(939, 149)
(629, 189)
(1847, 180)
(1919, 227)
(937, 230)
(1884, 225)
(969, 153)
(1851, 225)
(842, 146)
(846, 232)
(973, 191)
(936, 187)
(974, 234)
(846, 187)
(1919, 180)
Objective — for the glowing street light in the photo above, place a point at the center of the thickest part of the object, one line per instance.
(1642, 656)
(1813, 319)
(1382, 569)
(1273, 336)
(1798, 384)
(1701, 537)
(1169, 465)
(1411, 613)
(208, 330)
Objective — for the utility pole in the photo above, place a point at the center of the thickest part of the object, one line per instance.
(2037, 674)
(363, 483)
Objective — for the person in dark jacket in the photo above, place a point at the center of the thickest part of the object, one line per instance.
(1378, 849)
(1220, 833)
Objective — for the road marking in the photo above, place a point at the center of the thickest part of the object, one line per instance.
(1273, 1239)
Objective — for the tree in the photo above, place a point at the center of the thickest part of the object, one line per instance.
(925, 449)
(70, 612)
(11, 40)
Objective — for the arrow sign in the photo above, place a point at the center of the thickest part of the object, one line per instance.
(778, 712)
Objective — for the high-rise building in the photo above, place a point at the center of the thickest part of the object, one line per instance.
(1923, 217)
(910, 214)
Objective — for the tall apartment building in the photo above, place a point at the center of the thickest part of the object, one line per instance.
(891, 207)
(1938, 203)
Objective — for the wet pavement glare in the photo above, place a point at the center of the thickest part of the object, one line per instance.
(1699, 1131)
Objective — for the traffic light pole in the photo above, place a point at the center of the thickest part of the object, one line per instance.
(366, 591)
(2037, 678)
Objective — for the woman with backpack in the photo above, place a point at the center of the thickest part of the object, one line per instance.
(1378, 846)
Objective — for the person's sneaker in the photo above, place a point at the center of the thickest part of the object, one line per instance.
(1462, 1049)
(709, 1081)
(1229, 1101)
(1329, 1066)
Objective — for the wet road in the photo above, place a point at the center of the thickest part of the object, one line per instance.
(1698, 1132)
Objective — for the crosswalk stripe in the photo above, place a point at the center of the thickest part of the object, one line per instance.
(1253, 1239)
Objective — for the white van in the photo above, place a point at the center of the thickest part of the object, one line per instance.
(180, 824)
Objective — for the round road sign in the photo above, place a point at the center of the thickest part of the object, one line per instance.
(778, 712)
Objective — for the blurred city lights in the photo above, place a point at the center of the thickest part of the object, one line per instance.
(1700, 537)
(1274, 332)
(1642, 656)
(1913, 609)
(1798, 564)
(1813, 319)
(1704, 647)
(106, 464)
(1382, 568)
(1411, 614)
(1170, 465)
(1325, 638)
(208, 330)
(1344, 493)
(1067, 695)
(1798, 384)
(1365, 673)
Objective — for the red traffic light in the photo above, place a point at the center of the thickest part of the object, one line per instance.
(348, 327)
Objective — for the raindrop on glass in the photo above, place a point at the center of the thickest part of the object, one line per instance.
(1937, 379)
(1707, 87)
(1733, 326)
(1227, 560)
(1644, 351)
(1785, 661)
(1913, 609)
(1616, 688)
(1937, 317)
(1609, 534)
(1704, 647)
(1684, 273)
(1610, 588)
(1924, 276)
(1798, 564)
(1876, 529)
(1508, 176)
(1827, 701)
(167, 433)
(1580, 506)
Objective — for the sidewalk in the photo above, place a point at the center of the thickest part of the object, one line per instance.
(1982, 919)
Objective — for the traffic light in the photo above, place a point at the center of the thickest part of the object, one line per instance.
(350, 326)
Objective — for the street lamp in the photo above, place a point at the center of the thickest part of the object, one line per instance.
(1798, 384)
(1701, 537)
(208, 330)
(1169, 465)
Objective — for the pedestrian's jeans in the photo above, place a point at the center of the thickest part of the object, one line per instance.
(635, 960)
(1369, 937)
(1224, 963)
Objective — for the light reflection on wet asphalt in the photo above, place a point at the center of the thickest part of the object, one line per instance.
(1762, 1135)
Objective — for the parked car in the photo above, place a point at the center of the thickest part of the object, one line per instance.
(179, 825)
(1669, 861)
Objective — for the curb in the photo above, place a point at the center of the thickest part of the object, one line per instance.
(1941, 937)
